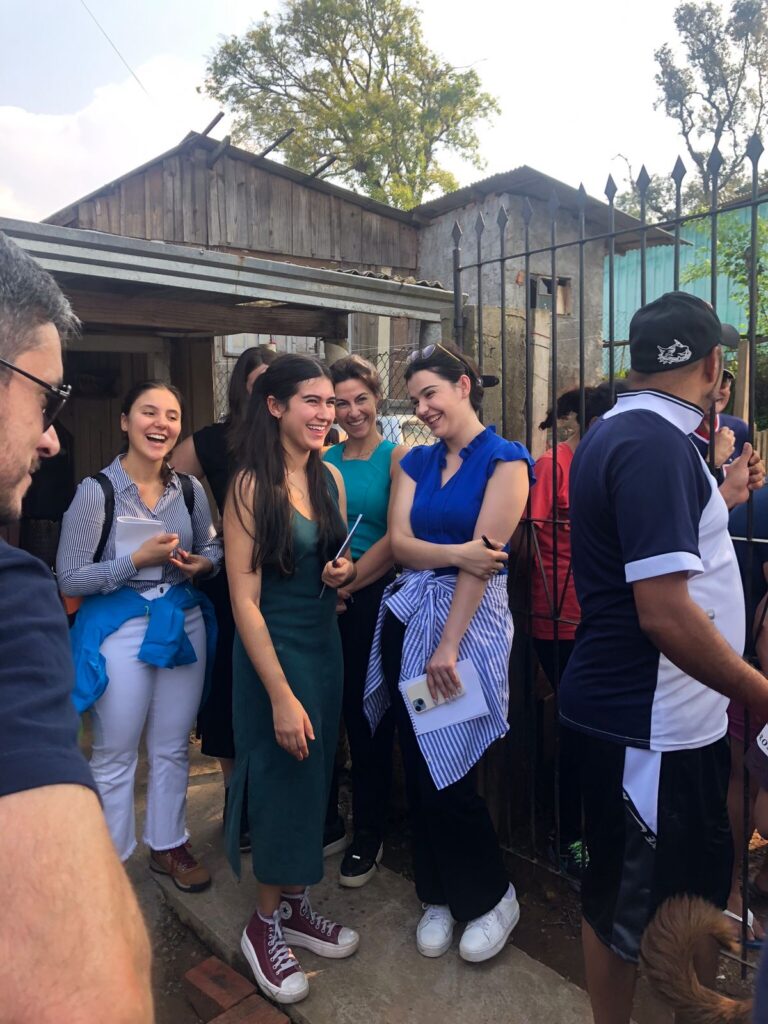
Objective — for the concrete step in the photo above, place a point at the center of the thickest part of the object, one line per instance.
(386, 981)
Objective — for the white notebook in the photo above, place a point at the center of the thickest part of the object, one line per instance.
(130, 534)
(471, 704)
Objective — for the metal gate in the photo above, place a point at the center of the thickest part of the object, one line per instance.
(486, 267)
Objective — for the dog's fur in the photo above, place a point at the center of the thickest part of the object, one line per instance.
(667, 955)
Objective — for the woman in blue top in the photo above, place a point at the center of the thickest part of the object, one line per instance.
(367, 463)
(456, 504)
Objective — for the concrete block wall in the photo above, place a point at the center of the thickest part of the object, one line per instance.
(435, 262)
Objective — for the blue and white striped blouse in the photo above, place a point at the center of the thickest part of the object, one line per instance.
(81, 527)
(422, 600)
(445, 514)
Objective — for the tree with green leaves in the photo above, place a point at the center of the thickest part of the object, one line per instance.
(356, 81)
(734, 260)
(716, 92)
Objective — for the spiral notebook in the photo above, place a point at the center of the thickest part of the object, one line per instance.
(469, 705)
(130, 534)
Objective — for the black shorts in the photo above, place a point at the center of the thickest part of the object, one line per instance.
(656, 825)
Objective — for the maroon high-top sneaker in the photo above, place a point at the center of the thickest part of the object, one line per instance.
(275, 968)
(303, 928)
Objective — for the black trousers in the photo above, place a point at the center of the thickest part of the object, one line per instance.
(570, 785)
(371, 755)
(456, 855)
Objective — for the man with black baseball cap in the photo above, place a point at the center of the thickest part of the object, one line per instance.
(658, 652)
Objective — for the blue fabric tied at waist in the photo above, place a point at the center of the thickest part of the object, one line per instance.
(422, 601)
(165, 643)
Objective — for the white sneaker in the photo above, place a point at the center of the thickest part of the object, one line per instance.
(487, 935)
(435, 930)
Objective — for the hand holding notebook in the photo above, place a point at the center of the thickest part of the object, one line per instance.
(428, 714)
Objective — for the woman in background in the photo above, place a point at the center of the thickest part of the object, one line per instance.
(142, 633)
(206, 455)
(367, 463)
(284, 522)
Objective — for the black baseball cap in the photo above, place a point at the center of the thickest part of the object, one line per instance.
(675, 330)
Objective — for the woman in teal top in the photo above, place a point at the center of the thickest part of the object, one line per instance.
(366, 462)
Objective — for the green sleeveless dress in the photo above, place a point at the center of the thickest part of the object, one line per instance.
(287, 798)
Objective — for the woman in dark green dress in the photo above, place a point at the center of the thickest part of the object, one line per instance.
(283, 524)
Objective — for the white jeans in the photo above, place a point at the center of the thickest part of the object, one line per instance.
(166, 699)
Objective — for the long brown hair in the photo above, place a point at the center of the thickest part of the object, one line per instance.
(258, 456)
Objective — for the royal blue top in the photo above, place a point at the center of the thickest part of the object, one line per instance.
(367, 483)
(447, 514)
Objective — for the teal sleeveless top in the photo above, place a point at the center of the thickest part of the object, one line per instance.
(367, 484)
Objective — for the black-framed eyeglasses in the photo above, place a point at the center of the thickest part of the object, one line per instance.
(56, 397)
(429, 350)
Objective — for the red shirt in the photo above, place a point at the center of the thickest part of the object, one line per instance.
(542, 596)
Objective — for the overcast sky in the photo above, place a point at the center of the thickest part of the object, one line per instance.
(575, 84)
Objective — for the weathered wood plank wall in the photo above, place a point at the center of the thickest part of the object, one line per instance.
(237, 205)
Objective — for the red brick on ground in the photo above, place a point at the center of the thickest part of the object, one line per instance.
(253, 1010)
(212, 987)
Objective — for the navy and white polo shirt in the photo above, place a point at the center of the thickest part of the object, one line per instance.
(642, 505)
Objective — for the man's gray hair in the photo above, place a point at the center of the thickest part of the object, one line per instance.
(29, 297)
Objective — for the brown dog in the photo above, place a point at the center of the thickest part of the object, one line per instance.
(667, 955)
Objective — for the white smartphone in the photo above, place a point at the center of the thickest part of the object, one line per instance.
(421, 699)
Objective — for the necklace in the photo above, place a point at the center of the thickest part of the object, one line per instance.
(365, 454)
(294, 488)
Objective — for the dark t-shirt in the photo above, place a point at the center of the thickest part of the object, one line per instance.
(737, 525)
(211, 448)
(38, 722)
(643, 505)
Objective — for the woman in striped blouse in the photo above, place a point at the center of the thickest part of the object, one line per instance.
(456, 504)
(141, 631)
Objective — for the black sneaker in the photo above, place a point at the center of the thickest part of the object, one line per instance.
(335, 838)
(361, 860)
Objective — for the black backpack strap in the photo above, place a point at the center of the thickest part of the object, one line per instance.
(109, 512)
(188, 490)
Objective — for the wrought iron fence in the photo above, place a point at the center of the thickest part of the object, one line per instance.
(491, 266)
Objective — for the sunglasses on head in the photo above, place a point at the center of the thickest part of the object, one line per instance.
(429, 350)
(55, 397)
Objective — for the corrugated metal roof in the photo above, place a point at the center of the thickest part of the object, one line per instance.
(76, 254)
(527, 181)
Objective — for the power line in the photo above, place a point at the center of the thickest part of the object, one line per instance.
(104, 33)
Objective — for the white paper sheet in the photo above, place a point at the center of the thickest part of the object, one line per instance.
(130, 534)
(462, 709)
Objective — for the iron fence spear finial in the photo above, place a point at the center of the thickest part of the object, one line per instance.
(755, 149)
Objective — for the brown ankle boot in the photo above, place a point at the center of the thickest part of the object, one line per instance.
(185, 872)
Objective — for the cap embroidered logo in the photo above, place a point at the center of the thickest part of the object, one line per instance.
(677, 352)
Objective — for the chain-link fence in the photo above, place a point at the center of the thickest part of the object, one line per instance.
(396, 421)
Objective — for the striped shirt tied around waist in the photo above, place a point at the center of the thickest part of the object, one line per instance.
(422, 601)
